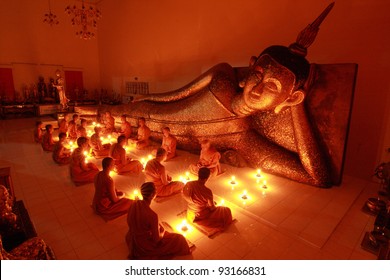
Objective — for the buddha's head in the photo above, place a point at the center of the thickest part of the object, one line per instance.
(277, 77)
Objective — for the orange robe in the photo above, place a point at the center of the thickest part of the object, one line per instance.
(143, 135)
(103, 203)
(126, 129)
(72, 130)
(81, 132)
(169, 144)
(201, 208)
(146, 239)
(63, 126)
(60, 154)
(80, 172)
(98, 149)
(210, 159)
(38, 135)
(109, 125)
(155, 172)
(47, 142)
(122, 163)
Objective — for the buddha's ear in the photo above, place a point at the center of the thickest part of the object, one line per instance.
(294, 99)
(252, 60)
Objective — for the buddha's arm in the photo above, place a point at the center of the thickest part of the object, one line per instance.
(309, 152)
(190, 89)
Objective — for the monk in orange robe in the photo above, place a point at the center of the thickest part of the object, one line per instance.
(82, 172)
(47, 139)
(72, 127)
(126, 129)
(81, 129)
(146, 238)
(98, 149)
(124, 164)
(143, 134)
(63, 125)
(109, 123)
(107, 201)
(155, 172)
(38, 132)
(209, 157)
(201, 206)
(169, 143)
(61, 155)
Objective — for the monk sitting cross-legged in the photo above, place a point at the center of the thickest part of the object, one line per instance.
(98, 149)
(201, 207)
(155, 172)
(81, 171)
(169, 143)
(61, 155)
(47, 139)
(38, 132)
(123, 164)
(107, 201)
(209, 158)
(143, 134)
(146, 238)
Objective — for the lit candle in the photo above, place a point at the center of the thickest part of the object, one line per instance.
(94, 123)
(150, 157)
(182, 179)
(112, 173)
(244, 195)
(143, 161)
(85, 153)
(184, 225)
(98, 125)
(222, 202)
(86, 160)
(187, 176)
(71, 143)
(233, 181)
(135, 194)
(264, 185)
(258, 173)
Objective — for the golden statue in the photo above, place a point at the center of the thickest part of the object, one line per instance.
(289, 118)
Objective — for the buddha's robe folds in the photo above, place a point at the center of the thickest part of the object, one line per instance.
(47, 142)
(60, 154)
(126, 129)
(201, 208)
(169, 144)
(143, 135)
(103, 201)
(122, 163)
(98, 149)
(147, 239)
(63, 126)
(155, 172)
(81, 172)
(210, 159)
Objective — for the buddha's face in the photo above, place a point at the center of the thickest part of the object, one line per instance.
(268, 84)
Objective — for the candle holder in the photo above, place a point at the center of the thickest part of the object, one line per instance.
(258, 174)
(264, 187)
(233, 180)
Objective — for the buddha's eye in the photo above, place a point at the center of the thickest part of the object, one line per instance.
(273, 84)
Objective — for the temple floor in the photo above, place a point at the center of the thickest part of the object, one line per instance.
(287, 220)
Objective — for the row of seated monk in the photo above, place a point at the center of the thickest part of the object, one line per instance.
(146, 237)
(209, 156)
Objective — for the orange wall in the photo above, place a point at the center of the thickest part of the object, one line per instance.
(34, 48)
(168, 43)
